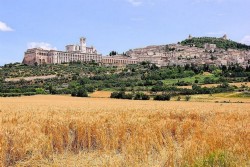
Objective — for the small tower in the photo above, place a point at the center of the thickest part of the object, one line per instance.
(190, 36)
(83, 45)
(224, 37)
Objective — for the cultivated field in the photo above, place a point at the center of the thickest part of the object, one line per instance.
(29, 78)
(238, 84)
(66, 131)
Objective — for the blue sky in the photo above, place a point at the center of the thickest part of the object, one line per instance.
(116, 24)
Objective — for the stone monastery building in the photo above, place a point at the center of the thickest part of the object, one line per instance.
(73, 53)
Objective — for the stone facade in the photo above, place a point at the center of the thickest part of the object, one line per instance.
(73, 53)
(118, 60)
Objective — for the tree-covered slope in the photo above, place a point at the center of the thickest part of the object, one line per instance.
(78, 79)
(220, 43)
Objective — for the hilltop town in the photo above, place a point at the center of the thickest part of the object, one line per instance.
(182, 53)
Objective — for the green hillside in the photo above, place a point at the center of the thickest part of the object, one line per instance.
(220, 43)
(72, 77)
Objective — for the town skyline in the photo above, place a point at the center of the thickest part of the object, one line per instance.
(117, 24)
(192, 51)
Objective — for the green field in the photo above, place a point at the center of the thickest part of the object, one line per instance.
(191, 80)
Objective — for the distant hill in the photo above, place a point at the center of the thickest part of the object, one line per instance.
(220, 43)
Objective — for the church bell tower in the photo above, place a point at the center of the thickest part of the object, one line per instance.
(83, 45)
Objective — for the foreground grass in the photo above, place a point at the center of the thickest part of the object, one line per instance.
(65, 131)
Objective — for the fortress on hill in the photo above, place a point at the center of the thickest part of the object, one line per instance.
(161, 55)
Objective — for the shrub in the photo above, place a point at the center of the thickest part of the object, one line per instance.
(157, 88)
(182, 83)
(90, 88)
(187, 98)
(10, 94)
(137, 96)
(82, 93)
(114, 95)
(123, 95)
(128, 96)
(164, 97)
(145, 97)
(29, 93)
(74, 93)
(118, 95)
(123, 88)
(141, 96)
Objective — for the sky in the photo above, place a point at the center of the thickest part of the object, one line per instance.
(117, 25)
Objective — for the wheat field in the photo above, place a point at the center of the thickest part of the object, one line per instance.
(65, 131)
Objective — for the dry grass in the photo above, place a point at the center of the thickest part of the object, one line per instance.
(101, 94)
(220, 97)
(65, 131)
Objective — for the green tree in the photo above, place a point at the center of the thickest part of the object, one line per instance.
(82, 92)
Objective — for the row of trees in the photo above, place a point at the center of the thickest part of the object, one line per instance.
(142, 96)
(139, 96)
(196, 89)
(130, 96)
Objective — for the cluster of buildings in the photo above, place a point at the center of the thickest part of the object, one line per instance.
(161, 55)
(73, 53)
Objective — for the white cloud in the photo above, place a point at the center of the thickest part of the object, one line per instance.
(141, 2)
(42, 45)
(4, 27)
(246, 40)
(135, 2)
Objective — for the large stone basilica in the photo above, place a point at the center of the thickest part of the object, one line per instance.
(73, 53)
